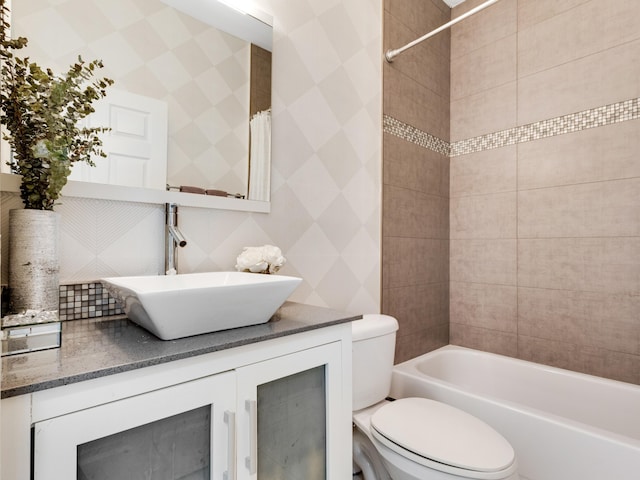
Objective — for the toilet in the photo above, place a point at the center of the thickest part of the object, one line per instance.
(414, 438)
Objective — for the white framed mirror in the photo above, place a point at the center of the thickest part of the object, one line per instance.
(204, 65)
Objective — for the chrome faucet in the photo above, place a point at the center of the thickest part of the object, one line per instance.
(173, 239)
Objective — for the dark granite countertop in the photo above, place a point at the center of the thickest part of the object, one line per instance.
(99, 347)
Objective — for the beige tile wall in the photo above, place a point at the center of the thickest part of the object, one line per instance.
(415, 205)
(545, 235)
(484, 48)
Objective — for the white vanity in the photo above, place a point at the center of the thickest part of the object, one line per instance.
(261, 402)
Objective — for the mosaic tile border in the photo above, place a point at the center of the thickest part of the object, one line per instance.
(86, 300)
(574, 122)
(415, 135)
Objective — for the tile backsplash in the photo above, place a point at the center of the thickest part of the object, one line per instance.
(86, 300)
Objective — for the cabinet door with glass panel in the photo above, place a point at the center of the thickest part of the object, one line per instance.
(288, 409)
(167, 434)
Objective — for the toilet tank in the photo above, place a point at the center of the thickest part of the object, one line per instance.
(373, 348)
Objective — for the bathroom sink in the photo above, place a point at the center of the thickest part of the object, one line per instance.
(175, 306)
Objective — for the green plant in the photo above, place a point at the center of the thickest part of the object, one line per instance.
(41, 112)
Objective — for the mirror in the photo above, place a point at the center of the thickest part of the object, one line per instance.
(191, 75)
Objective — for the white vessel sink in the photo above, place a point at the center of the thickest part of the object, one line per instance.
(175, 306)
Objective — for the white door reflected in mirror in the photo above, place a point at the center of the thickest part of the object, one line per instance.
(136, 145)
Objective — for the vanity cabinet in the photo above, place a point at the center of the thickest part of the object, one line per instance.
(278, 409)
(164, 434)
(286, 405)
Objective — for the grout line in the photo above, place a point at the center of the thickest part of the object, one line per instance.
(544, 187)
(582, 57)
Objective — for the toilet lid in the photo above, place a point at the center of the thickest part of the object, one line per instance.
(444, 434)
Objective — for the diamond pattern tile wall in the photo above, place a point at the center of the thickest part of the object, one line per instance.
(325, 211)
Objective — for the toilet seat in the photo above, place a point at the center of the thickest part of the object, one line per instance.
(443, 437)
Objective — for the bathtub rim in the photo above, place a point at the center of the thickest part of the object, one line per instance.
(409, 368)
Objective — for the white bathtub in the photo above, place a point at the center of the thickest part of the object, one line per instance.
(563, 425)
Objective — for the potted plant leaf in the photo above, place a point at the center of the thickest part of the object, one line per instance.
(40, 112)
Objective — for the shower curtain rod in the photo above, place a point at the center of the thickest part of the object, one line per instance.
(391, 54)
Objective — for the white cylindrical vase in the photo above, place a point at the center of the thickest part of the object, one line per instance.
(34, 260)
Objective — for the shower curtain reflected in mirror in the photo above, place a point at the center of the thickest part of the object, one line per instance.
(260, 156)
